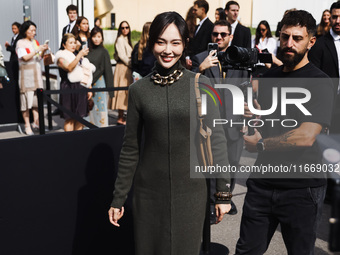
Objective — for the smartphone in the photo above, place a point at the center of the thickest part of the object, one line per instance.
(213, 46)
(47, 42)
(85, 45)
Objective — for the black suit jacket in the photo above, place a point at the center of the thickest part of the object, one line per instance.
(235, 77)
(242, 36)
(324, 56)
(11, 49)
(13, 60)
(200, 41)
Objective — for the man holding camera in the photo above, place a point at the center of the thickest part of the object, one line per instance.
(208, 64)
(292, 197)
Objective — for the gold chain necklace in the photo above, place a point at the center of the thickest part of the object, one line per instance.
(167, 80)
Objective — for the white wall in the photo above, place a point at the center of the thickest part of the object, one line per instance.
(10, 12)
(273, 10)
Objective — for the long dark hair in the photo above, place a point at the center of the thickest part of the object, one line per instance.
(191, 21)
(221, 13)
(76, 28)
(95, 31)
(258, 31)
(120, 32)
(161, 22)
(144, 38)
(324, 28)
(25, 26)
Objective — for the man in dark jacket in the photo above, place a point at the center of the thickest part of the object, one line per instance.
(208, 64)
(325, 55)
(14, 64)
(203, 31)
(242, 35)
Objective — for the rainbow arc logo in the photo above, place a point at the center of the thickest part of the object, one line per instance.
(204, 97)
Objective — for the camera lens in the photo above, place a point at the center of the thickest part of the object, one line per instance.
(237, 55)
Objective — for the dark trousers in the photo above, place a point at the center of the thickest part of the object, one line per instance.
(298, 211)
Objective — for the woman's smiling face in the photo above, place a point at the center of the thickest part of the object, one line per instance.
(169, 47)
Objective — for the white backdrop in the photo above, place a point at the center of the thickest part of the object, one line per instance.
(273, 10)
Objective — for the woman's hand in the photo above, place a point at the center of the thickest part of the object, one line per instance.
(209, 61)
(115, 214)
(221, 209)
(89, 95)
(84, 52)
(250, 141)
(43, 48)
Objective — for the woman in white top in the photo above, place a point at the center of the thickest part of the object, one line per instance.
(30, 78)
(264, 39)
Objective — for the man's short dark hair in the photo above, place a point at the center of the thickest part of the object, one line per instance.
(227, 6)
(71, 7)
(202, 3)
(335, 5)
(300, 18)
(223, 23)
(17, 24)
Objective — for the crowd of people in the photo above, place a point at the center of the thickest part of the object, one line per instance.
(159, 71)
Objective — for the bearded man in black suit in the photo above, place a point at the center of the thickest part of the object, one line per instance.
(325, 55)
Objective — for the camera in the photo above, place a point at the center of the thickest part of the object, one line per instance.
(243, 58)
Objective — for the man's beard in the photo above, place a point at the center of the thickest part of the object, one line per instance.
(291, 60)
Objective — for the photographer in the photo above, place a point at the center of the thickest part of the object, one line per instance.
(208, 64)
(293, 200)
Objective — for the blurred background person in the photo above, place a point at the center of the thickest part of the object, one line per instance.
(102, 77)
(67, 63)
(72, 13)
(142, 58)
(13, 60)
(325, 24)
(123, 72)
(30, 78)
(241, 34)
(97, 22)
(2, 65)
(220, 14)
(264, 39)
(191, 21)
(82, 32)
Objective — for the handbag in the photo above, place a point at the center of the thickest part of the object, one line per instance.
(48, 58)
(90, 104)
(204, 130)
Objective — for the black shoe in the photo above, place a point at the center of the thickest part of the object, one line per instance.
(233, 209)
(56, 112)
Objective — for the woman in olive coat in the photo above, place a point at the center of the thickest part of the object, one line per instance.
(168, 205)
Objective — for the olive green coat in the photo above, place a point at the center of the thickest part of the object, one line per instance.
(168, 205)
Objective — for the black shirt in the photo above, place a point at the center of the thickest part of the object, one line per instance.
(319, 106)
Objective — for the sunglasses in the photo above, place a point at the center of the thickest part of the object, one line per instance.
(262, 30)
(223, 34)
(124, 28)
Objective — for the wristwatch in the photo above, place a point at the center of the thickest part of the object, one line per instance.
(260, 145)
